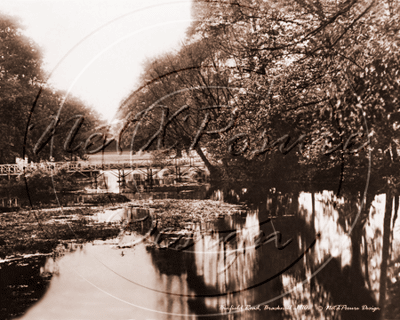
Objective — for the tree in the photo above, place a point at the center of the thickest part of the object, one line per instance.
(179, 91)
(298, 60)
(20, 73)
(29, 106)
(61, 128)
(312, 73)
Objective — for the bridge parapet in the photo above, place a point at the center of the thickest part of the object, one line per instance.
(87, 166)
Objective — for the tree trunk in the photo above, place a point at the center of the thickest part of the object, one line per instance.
(366, 261)
(313, 211)
(295, 203)
(214, 172)
(178, 152)
(396, 209)
(356, 273)
(385, 251)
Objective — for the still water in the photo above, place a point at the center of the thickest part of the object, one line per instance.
(298, 262)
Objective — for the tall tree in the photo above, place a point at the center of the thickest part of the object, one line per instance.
(184, 91)
(20, 75)
(320, 71)
(29, 106)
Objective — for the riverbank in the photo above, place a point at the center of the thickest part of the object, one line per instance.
(34, 231)
(40, 231)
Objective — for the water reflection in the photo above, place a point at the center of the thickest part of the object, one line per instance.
(298, 262)
(22, 284)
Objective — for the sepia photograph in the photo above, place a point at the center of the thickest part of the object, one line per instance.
(199, 159)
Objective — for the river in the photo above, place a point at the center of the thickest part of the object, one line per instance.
(292, 260)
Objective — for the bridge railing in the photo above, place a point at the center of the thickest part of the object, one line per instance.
(10, 169)
(16, 169)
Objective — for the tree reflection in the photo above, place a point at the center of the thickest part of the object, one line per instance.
(343, 268)
(22, 284)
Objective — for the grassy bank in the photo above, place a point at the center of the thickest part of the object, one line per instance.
(26, 232)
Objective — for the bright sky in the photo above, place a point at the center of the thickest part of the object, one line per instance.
(95, 48)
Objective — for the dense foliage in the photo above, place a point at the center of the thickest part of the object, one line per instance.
(31, 111)
(320, 73)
